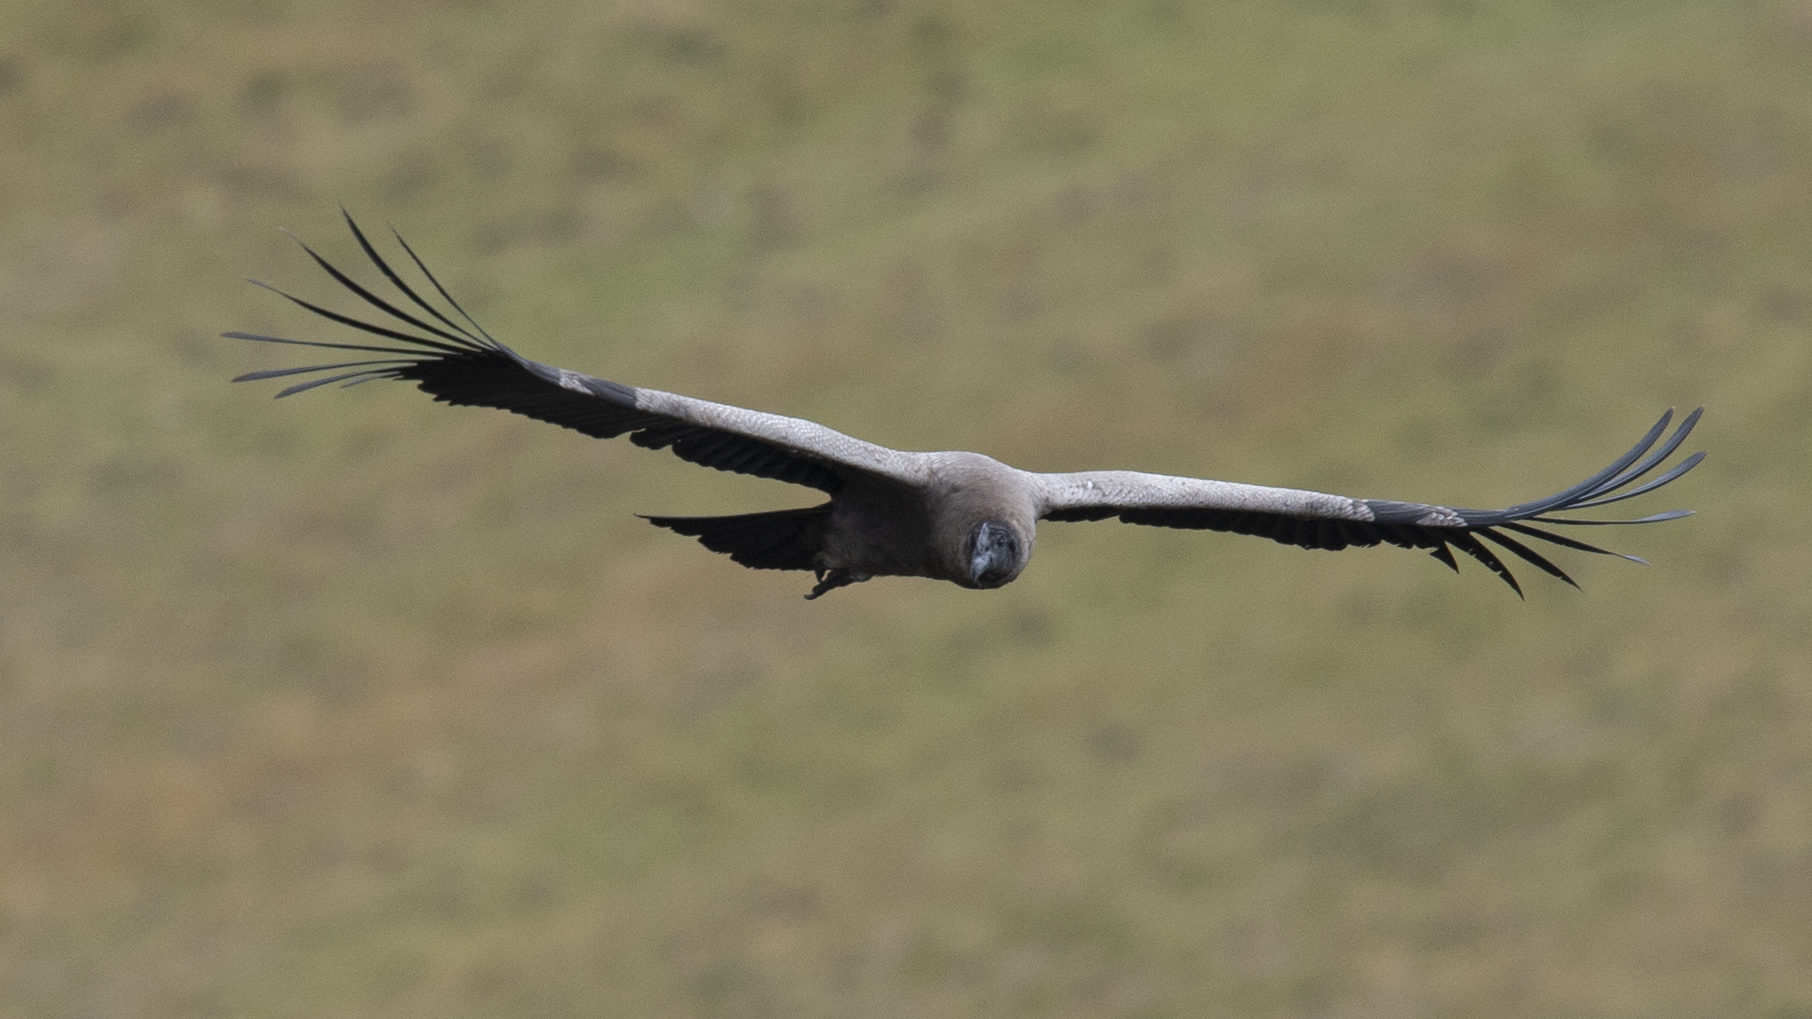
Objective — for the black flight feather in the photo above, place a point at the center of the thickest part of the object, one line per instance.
(1420, 525)
(463, 364)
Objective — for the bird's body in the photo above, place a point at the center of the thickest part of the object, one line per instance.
(956, 516)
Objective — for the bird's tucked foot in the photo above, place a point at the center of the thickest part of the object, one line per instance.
(831, 579)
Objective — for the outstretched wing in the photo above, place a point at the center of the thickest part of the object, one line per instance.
(1319, 520)
(451, 357)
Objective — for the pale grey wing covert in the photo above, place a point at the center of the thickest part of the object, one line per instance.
(1319, 520)
(456, 361)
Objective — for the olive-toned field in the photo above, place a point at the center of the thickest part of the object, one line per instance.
(354, 704)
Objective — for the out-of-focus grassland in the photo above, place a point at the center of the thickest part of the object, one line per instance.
(356, 705)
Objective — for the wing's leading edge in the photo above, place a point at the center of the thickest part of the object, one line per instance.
(1318, 520)
(452, 357)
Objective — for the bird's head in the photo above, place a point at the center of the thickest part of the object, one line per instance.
(996, 554)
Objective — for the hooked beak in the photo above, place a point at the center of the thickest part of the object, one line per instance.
(982, 558)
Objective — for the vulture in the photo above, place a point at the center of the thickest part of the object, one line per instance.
(956, 516)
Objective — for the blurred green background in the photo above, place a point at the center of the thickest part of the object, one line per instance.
(357, 705)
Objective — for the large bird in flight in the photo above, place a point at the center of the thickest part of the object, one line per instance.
(955, 516)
